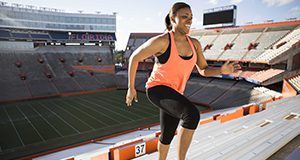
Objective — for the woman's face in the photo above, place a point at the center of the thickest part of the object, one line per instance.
(182, 21)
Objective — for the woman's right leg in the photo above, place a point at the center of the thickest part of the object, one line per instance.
(168, 126)
(163, 150)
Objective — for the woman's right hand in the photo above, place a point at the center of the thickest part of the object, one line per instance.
(131, 95)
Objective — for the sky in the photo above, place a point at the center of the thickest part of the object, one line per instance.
(148, 15)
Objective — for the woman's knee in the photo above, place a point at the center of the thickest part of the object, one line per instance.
(166, 139)
(191, 119)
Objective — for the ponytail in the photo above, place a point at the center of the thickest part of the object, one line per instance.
(168, 22)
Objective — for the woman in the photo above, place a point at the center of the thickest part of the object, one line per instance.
(176, 54)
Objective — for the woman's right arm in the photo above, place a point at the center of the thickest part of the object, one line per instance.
(153, 46)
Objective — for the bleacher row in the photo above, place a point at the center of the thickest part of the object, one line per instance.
(48, 71)
(257, 77)
(7, 34)
(214, 92)
(281, 46)
(295, 82)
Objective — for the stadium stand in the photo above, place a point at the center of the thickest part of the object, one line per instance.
(256, 136)
(38, 62)
(263, 75)
(11, 84)
(218, 85)
(4, 34)
(245, 43)
(141, 79)
(195, 84)
(41, 36)
(219, 46)
(281, 46)
(295, 82)
(240, 46)
(135, 40)
(86, 81)
(20, 35)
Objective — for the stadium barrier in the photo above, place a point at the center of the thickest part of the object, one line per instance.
(134, 149)
(287, 89)
(231, 116)
(208, 120)
(125, 151)
(239, 112)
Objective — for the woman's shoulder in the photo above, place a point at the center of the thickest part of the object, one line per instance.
(195, 42)
(161, 37)
(160, 40)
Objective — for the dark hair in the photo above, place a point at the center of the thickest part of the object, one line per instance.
(176, 6)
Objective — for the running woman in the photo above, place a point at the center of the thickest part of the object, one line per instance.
(175, 54)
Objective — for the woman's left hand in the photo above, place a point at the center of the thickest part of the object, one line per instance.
(228, 68)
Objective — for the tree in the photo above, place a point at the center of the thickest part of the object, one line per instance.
(119, 56)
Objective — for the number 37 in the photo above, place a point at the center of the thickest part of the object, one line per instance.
(140, 149)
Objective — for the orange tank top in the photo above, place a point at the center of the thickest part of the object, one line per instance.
(175, 72)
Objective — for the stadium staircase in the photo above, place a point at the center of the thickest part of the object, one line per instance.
(254, 136)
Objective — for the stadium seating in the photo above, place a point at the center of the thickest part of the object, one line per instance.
(195, 84)
(140, 80)
(58, 36)
(135, 40)
(281, 46)
(40, 36)
(264, 75)
(253, 137)
(86, 81)
(42, 88)
(233, 54)
(252, 54)
(240, 46)
(207, 39)
(206, 94)
(20, 35)
(222, 93)
(106, 80)
(11, 85)
(49, 71)
(295, 82)
(244, 43)
(268, 38)
(267, 91)
(35, 35)
(5, 34)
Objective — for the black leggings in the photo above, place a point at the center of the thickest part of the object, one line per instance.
(173, 107)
